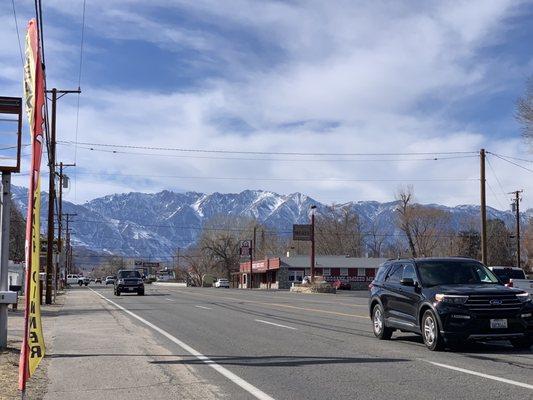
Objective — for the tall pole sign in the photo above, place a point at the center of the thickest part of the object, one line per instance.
(246, 250)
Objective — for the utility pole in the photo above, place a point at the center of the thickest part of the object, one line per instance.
(516, 209)
(51, 191)
(4, 252)
(483, 207)
(313, 243)
(68, 261)
(62, 183)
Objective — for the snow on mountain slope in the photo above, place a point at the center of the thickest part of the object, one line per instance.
(155, 225)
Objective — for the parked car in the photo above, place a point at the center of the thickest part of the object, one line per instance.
(72, 279)
(98, 280)
(129, 281)
(222, 283)
(110, 280)
(448, 301)
(514, 277)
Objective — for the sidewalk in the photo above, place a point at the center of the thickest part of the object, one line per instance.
(98, 352)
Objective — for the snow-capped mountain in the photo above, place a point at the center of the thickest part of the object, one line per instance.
(155, 225)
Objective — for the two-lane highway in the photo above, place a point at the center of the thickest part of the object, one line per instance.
(281, 345)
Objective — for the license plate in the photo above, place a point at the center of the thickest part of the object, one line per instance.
(498, 323)
(130, 289)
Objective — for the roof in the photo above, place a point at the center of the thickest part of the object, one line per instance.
(332, 262)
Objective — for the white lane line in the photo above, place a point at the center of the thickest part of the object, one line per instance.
(205, 308)
(495, 378)
(272, 323)
(169, 299)
(255, 392)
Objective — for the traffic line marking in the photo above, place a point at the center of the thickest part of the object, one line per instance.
(272, 323)
(205, 308)
(470, 372)
(316, 310)
(169, 300)
(255, 392)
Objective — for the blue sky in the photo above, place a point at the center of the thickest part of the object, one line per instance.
(293, 76)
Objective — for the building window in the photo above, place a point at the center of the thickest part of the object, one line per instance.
(344, 271)
(326, 271)
(361, 272)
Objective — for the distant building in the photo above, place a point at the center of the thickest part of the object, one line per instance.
(282, 272)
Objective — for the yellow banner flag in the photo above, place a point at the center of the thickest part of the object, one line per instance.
(35, 336)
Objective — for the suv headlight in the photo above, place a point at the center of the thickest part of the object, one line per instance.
(523, 297)
(451, 298)
(120, 281)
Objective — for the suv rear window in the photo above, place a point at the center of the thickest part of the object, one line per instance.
(382, 271)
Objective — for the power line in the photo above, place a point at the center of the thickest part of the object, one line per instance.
(317, 179)
(178, 149)
(511, 162)
(82, 40)
(18, 34)
(270, 158)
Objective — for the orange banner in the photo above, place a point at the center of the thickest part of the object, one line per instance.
(32, 350)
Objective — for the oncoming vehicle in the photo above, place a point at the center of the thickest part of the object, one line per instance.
(448, 301)
(222, 283)
(110, 280)
(129, 281)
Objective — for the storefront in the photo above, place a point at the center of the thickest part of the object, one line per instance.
(282, 272)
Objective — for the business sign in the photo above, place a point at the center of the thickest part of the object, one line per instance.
(349, 278)
(33, 348)
(246, 248)
(302, 232)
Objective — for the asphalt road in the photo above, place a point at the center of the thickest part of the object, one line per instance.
(255, 344)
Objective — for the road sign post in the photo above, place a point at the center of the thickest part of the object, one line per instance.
(246, 250)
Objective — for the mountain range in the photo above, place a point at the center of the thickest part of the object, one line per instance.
(155, 225)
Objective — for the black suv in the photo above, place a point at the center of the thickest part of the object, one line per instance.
(129, 281)
(448, 301)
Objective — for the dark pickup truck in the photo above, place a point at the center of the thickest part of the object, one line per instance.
(129, 281)
(448, 301)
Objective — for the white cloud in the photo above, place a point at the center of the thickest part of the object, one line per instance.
(344, 77)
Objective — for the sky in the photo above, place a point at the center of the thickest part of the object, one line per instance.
(321, 79)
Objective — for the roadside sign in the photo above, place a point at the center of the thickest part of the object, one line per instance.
(302, 232)
(246, 248)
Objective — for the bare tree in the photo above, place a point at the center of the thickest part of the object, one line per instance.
(524, 110)
(17, 234)
(404, 196)
(377, 235)
(199, 264)
(338, 231)
(425, 227)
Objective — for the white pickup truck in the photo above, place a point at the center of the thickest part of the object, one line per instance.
(75, 279)
(514, 277)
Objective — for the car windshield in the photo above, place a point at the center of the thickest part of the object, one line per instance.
(433, 273)
(129, 274)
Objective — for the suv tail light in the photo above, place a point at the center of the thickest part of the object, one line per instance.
(370, 286)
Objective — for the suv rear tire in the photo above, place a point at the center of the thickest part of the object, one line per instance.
(378, 324)
(431, 333)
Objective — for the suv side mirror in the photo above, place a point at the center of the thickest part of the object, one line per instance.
(407, 282)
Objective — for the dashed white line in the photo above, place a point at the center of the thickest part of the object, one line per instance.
(205, 308)
(169, 299)
(470, 372)
(255, 392)
(272, 323)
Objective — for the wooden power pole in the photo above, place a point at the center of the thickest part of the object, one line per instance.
(483, 207)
